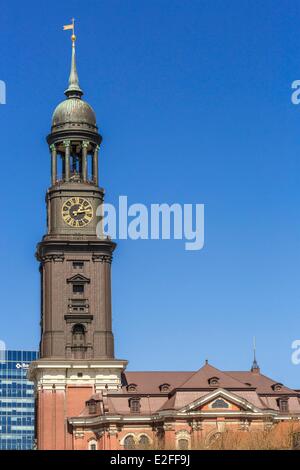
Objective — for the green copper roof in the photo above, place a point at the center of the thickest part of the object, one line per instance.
(74, 110)
(73, 89)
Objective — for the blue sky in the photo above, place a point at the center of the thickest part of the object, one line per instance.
(193, 99)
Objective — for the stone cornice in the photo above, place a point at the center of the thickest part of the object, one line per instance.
(78, 363)
(102, 258)
(56, 257)
(175, 417)
(54, 249)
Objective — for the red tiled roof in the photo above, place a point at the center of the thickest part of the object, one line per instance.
(262, 383)
(246, 384)
(201, 377)
(149, 381)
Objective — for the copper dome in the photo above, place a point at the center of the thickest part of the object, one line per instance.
(73, 112)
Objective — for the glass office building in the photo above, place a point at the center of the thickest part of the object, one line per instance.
(16, 401)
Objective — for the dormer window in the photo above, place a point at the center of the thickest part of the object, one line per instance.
(131, 388)
(92, 406)
(283, 404)
(135, 405)
(213, 381)
(164, 388)
(277, 387)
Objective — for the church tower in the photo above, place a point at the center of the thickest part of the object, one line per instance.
(77, 344)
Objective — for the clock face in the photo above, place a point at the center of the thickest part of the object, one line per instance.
(77, 212)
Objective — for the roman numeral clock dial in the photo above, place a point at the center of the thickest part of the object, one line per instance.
(77, 212)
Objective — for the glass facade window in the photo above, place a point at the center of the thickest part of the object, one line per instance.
(16, 401)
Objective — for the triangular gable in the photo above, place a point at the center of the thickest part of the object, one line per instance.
(202, 379)
(207, 403)
(78, 278)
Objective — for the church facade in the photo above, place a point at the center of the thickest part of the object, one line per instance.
(85, 398)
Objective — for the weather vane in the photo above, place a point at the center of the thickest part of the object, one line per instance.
(72, 27)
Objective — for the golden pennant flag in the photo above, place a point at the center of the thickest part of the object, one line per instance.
(72, 27)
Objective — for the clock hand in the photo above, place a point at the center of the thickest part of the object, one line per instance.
(81, 208)
(80, 211)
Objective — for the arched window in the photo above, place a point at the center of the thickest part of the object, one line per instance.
(183, 444)
(92, 445)
(129, 442)
(144, 442)
(78, 341)
(78, 335)
(212, 439)
(182, 439)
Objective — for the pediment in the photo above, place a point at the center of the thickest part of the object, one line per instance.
(220, 401)
(78, 278)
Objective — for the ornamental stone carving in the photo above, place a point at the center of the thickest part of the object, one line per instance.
(102, 258)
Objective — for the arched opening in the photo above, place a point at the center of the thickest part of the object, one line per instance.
(129, 442)
(92, 444)
(144, 442)
(78, 341)
(213, 440)
(183, 444)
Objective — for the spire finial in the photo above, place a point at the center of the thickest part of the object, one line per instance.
(73, 90)
(255, 366)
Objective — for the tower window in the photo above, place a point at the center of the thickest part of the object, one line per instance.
(78, 264)
(78, 305)
(78, 336)
(78, 288)
(78, 342)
